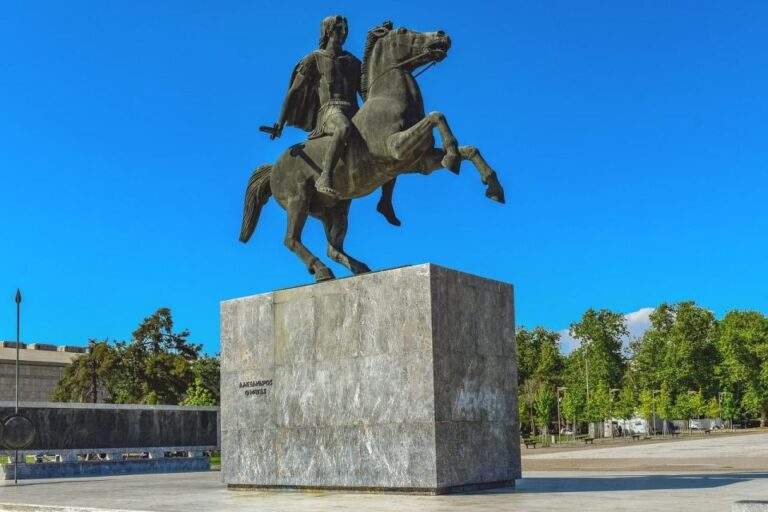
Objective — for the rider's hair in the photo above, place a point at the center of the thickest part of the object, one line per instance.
(326, 26)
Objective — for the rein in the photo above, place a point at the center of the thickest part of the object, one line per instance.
(401, 64)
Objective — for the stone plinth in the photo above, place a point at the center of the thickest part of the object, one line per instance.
(400, 380)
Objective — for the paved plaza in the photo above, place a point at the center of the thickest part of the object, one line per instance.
(716, 452)
(684, 490)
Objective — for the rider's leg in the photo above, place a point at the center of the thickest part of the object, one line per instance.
(339, 127)
(385, 203)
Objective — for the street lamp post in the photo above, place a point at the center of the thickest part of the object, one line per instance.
(653, 401)
(586, 378)
(16, 410)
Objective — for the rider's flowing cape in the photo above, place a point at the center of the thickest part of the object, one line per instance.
(303, 105)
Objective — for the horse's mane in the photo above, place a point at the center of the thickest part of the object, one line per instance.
(371, 39)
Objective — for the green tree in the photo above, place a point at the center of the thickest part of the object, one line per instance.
(207, 369)
(90, 377)
(684, 408)
(600, 403)
(743, 346)
(730, 408)
(647, 406)
(538, 355)
(527, 398)
(665, 405)
(157, 362)
(691, 355)
(600, 334)
(647, 352)
(753, 402)
(573, 405)
(546, 404)
(155, 335)
(198, 395)
(625, 406)
(714, 410)
(698, 404)
(540, 363)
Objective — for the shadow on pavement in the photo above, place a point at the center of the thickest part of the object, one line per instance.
(556, 484)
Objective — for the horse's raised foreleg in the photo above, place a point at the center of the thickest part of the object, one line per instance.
(297, 210)
(433, 160)
(335, 221)
(488, 175)
(405, 144)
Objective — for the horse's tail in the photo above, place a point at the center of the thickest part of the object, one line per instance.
(256, 195)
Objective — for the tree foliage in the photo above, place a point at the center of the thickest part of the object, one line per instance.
(546, 405)
(600, 334)
(157, 366)
(90, 377)
(743, 368)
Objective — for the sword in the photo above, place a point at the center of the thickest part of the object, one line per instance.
(273, 131)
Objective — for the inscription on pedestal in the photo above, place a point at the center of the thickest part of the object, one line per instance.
(255, 387)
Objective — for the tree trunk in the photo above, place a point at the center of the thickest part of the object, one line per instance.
(764, 418)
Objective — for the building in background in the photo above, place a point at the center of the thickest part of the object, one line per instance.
(40, 367)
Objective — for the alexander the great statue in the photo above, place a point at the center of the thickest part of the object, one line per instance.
(360, 150)
(322, 98)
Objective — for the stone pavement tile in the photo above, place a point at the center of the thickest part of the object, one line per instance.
(538, 491)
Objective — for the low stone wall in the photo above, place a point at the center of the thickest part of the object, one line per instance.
(107, 468)
(73, 434)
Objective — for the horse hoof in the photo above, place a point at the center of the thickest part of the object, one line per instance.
(324, 274)
(361, 269)
(495, 193)
(452, 162)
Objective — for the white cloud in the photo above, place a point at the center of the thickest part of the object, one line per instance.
(567, 343)
(637, 323)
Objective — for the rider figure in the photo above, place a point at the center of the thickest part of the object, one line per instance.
(322, 98)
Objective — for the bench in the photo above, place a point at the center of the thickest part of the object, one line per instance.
(707, 432)
(674, 433)
(589, 440)
(635, 437)
(529, 442)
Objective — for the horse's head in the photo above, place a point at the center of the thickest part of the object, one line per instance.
(388, 48)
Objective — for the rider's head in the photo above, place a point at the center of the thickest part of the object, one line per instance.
(333, 26)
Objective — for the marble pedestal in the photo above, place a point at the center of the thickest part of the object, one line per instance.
(402, 380)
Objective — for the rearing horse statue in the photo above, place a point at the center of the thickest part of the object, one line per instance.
(393, 137)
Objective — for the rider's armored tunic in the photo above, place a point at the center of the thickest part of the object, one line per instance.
(329, 88)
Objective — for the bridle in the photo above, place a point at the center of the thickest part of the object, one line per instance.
(426, 51)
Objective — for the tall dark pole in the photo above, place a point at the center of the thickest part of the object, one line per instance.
(18, 344)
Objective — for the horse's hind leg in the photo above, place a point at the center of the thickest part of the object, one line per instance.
(296, 208)
(335, 221)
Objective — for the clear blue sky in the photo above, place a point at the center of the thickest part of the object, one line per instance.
(631, 138)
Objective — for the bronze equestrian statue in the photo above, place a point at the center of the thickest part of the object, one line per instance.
(322, 99)
(390, 135)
